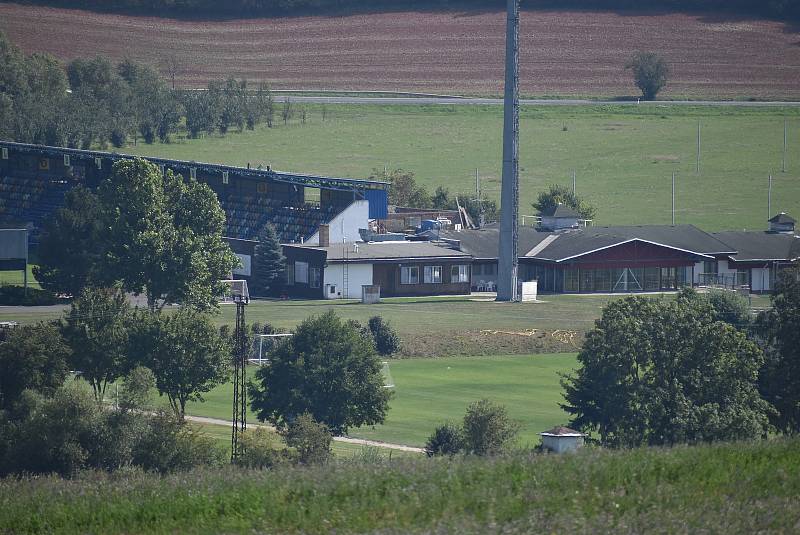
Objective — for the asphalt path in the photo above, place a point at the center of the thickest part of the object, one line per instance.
(348, 440)
(470, 101)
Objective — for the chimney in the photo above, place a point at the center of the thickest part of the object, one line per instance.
(324, 235)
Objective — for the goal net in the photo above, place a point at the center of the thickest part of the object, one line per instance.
(264, 344)
(388, 382)
(235, 291)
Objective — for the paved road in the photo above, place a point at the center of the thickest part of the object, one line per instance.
(349, 440)
(469, 101)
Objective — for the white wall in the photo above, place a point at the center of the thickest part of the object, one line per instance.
(244, 270)
(759, 279)
(698, 269)
(357, 275)
(722, 268)
(346, 224)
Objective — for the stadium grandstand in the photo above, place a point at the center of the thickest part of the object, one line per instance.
(35, 178)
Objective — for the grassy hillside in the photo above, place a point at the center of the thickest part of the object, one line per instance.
(623, 156)
(727, 488)
(428, 392)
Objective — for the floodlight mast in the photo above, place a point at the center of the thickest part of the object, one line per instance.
(508, 264)
(239, 421)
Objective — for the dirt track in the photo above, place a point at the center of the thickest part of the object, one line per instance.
(562, 53)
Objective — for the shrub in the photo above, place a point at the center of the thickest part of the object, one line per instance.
(386, 339)
(487, 428)
(310, 439)
(260, 449)
(447, 439)
(18, 296)
(170, 445)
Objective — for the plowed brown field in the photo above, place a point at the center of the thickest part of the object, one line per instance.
(562, 52)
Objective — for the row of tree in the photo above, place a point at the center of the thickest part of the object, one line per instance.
(405, 191)
(92, 102)
(693, 369)
(784, 8)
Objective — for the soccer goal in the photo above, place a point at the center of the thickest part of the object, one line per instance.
(235, 292)
(264, 344)
(388, 382)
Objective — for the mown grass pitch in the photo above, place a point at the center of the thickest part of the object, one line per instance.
(428, 392)
(624, 156)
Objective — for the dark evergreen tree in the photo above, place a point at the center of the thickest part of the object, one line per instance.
(269, 265)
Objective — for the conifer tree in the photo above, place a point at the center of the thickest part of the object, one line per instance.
(269, 265)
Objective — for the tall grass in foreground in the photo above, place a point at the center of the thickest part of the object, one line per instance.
(741, 487)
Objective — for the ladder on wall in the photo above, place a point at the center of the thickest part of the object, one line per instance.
(345, 282)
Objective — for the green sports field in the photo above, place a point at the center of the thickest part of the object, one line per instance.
(623, 156)
(431, 391)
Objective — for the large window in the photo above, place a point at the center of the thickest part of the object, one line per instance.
(433, 274)
(301, 272)
(652, 280)
(571, 280)
(459, 274)
(602, 280)
(409, 275)
(669, 278)
(315, 277)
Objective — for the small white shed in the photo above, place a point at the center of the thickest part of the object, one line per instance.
(561, 439)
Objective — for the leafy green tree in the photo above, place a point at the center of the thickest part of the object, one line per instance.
(329, 369)
(310, 439)
(487, 429)
(164, 236)
(730, 307)
(779, 328)
(201, 114)
(385, 337)
(404, 190)
(31, 357)
(269, 264)
(656, 372)
(96, 329)
(650, 73)
(136, 391)
(186, 353)
(557, 194)
(447, 439)
(70, 245)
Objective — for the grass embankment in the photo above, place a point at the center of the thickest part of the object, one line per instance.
(623, 155)
(428, 392)
(727, 488)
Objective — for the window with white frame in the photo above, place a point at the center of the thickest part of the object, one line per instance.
(409, 275)
(459, 273)
(301, 272)
(315, 276)
(433, 274)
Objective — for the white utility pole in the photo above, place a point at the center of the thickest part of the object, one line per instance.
(673, 197)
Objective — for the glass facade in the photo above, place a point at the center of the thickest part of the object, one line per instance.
(627, 279)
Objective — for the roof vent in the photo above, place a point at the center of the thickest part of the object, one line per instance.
(783, 223)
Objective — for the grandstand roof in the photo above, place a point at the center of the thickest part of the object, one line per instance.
(384, 251)
(267, 174)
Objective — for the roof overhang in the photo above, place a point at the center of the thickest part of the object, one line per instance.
(623, 242)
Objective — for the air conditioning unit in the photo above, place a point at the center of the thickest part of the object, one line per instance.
(98, 162)
(5, 153)
(66, 160)
(193, 172)
(224, 177)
